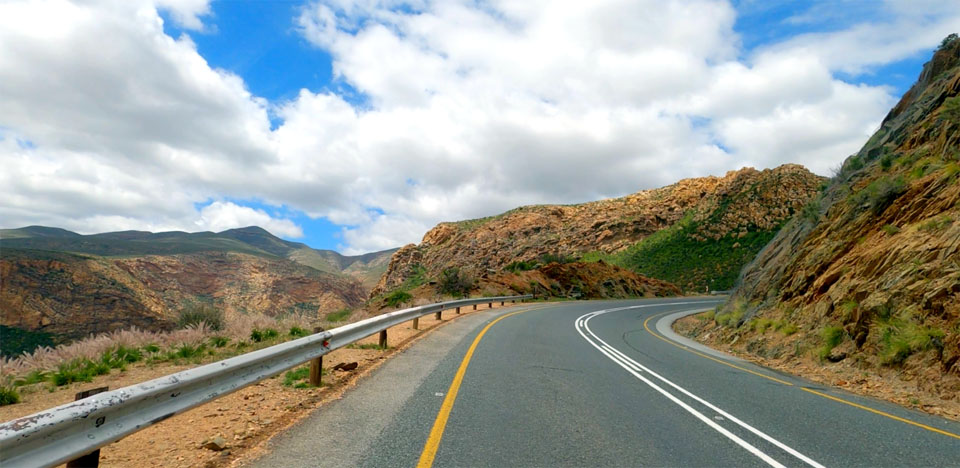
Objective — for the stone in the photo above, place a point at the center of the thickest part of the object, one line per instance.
(216, 444)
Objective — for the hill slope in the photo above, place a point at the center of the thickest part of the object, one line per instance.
(870, 276)
(727, 219)
(69, 285)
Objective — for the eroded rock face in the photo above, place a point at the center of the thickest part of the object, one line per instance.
(741, 201)
(883, 249)
(73, 295)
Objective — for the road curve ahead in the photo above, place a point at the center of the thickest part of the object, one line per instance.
(600, 383)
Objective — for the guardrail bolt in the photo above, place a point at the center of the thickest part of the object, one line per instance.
(91, 459)
(458, 310)
(383, 339)
(416, 323)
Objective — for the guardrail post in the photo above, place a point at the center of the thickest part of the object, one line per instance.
(501, 303)
(316, 370)
(383, 339)
(458, 310)
(416, 323)
(438, 314)
(490, 305)
(91, 459)
(474, 307)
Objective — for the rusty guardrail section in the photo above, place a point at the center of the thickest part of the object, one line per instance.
(60, 434)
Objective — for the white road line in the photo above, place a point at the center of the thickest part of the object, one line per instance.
(634, 368)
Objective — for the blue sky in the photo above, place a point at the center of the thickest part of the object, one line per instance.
(231, 113)
(258, 41)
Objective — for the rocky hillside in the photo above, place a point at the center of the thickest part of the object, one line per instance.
(869, 275)
(668, 233)
(68, 285)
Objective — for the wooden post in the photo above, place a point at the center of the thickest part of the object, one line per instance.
(383, 339)
(490, 305)
(501, 303)
(316, 370)
(474, 307)
(91, 459)
(458, 310)
(416, 323)
(438, 314)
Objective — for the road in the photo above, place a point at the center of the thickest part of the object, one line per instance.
(600, 383)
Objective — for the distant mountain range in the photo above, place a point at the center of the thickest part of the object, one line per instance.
(67, 284)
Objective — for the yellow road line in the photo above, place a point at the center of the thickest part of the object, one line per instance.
(823, 395)
(881, 413)
(784, 382)
(433, 441)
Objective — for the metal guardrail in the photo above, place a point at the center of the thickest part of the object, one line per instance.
(60, 434)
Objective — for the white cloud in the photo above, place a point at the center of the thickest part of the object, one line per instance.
(471, 109)
(220, 216)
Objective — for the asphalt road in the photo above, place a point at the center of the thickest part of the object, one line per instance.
(601, 384)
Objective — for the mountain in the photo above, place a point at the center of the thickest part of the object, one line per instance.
(70, 285)
(869, 275)
(697, 233)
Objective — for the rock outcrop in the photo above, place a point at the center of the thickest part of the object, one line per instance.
(873, 267)
(732, 206)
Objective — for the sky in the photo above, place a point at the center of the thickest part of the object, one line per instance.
(357, 126)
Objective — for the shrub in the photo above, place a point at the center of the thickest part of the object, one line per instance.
(219, 341)
(879, 194)
(195, 314)
(455, 282)
(518, 266)
(811, 211)
(151, 348)
(396, 298)
(338, 316)
(120, 356)
(187, 351)
(951, 109)
(890, 229)
(886, 162)
(900, 337)
(297, 331)
(8, 396)
(258, 335)
(832, 336)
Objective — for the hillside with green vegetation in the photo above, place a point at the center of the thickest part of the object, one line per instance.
(674, 255)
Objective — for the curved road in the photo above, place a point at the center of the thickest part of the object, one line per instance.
(600, 383)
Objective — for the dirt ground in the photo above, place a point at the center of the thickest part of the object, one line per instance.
(877, 383)
(245, 419)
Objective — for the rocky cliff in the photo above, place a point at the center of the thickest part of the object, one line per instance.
(869, 275)
(716, 215)
(69, 285)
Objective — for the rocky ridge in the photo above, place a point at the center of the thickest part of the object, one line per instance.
(743, 201)
(70, 285)
(869, 277)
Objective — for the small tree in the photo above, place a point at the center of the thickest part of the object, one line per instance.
(455, 282)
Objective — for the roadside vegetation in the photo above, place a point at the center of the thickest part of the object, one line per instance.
(51, 367)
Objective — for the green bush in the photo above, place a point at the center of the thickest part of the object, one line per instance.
(936, 224)
(194, 314)
(396, 298)
(886, 162)
(258, 335)
(811, 211)
(8, 396)
(455, 282)
(890, 229)
(901, 336)
(187, 351)
(832, 336)
(297, 331)
(219, 341)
